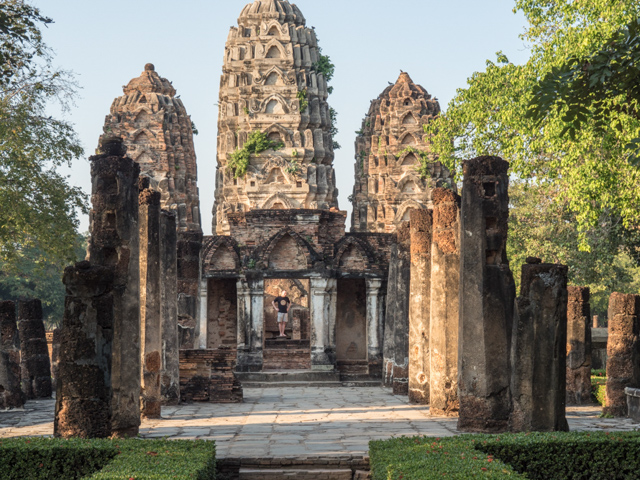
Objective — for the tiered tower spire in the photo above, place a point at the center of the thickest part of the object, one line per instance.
(389, 148)
(271, 84)
(158, 134)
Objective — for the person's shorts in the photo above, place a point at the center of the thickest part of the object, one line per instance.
(282, 317)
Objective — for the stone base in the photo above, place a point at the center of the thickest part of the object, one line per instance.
(633, 403)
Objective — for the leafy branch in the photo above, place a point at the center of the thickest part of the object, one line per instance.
(257, 142)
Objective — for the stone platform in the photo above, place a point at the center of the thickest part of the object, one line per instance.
(293, 422)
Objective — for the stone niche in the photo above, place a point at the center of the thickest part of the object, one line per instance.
(222, 312)
(351, 326)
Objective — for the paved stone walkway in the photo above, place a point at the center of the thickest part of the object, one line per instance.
(284, 422)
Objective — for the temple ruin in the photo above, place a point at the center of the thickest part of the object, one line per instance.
(419, 296)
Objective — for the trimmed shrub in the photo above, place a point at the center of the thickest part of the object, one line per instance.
(102, 459)
(422, 458)
(45, 458)
(536, 456)
(161, 459)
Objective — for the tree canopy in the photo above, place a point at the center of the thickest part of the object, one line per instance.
(39, 207)
(497, 113)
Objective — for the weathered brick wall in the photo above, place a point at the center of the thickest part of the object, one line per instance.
(207, 376)
(287, 355)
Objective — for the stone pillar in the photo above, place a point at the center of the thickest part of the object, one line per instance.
(203, 320)
(250, 324)
(538, 349)
(595, 321)
(487, 294)
(11, 395)
(170, 386)
(375, 305)
(244, 318)
(396, 320)
(623, 351)
(83, 393)
(150, 296)
(189, 245)
(578, 346)
(420, 305)
(114, 243)
(445, 289)
(321, 311)
(55, 354)
(34, 355)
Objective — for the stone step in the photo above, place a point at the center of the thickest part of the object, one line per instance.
(299, 474)
(287, 376)
(303, 467)
(283, 384)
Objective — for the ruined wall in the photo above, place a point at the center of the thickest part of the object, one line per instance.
(578, 346)
(114, 242)
(11, 394)
(421, 223)
(158, 134)
(389, 147)
(623, 351)
(269, 84)
(34, 355)
(487, 294)
(222, 316)
(83, 392)
(444, 310)
(396, 338)
(538, 349)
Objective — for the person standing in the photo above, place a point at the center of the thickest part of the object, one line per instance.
(282, 304)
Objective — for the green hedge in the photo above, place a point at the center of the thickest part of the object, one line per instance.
(46, 458)
(548, 456)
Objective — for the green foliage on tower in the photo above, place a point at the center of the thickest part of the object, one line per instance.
(257, 142)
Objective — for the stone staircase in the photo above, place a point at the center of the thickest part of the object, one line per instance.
(346, 467)
(305, 378)
(289, 378)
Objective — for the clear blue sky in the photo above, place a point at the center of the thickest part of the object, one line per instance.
(439, 43)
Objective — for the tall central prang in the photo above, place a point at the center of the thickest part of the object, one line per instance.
(271, 90)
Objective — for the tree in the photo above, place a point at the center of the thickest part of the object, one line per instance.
(34, 277)
(39, 208)
(542, 225)
(600, 86)
(490, 116)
